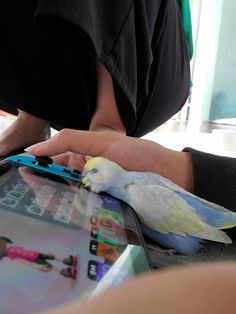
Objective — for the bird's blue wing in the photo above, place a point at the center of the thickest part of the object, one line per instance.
(212, 216)
(186, 245)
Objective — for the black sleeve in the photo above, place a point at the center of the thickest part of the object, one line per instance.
(214, 178)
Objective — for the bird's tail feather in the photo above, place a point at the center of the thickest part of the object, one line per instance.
(212, 216)
(226, 220)
(212, 234)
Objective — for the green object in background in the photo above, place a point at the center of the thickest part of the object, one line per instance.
(187, 24)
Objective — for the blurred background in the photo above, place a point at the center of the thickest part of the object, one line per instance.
(208, 119)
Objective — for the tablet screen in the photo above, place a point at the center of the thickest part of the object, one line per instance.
(60, 242)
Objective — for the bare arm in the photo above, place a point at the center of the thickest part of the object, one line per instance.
(204, 288)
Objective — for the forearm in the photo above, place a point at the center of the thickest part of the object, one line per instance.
(198, 288)
(174, 165)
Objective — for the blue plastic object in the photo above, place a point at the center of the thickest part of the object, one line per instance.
(34, 163)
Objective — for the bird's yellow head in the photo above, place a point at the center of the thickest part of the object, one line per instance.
(99, 173)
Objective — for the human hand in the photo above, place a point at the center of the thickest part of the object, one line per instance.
(133, 154)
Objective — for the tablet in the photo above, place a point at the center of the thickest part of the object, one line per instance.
(60, 242)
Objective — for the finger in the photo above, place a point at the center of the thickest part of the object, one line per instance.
(29, 178)
(81, 142)
(71, 160)
(62, 159)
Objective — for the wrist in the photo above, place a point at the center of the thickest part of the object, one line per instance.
(176, 166)
(187, 171)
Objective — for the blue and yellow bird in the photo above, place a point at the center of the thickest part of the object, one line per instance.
(168, 214)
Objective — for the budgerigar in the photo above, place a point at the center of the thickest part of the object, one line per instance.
(169, 215)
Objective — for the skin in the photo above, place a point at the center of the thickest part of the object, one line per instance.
(25, 130)
(201, 288)
(28, 129)
(70, 148)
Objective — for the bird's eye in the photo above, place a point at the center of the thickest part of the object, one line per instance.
(94, 170)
